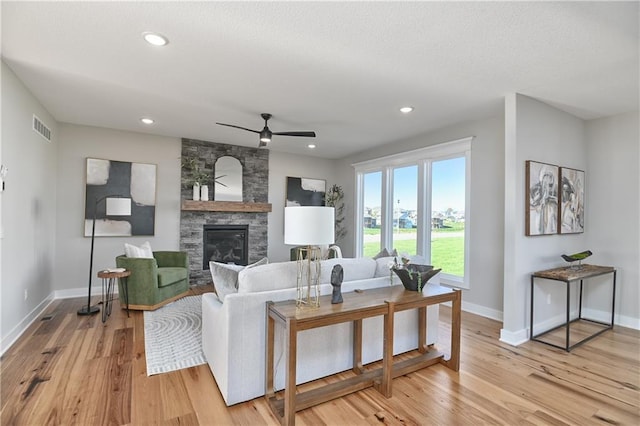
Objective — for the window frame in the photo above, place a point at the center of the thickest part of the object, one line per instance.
(423, 158)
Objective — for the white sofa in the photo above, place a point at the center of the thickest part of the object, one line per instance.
(233, 329)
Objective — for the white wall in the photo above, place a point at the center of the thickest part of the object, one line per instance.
(613, 211)
(535, 131)
(72, 248)
(486, 210)
(282, 165)
(28, 219)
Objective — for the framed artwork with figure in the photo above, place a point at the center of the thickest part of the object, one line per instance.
(571, 201)
(541, 199)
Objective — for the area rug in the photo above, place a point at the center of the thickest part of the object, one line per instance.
(172, 336)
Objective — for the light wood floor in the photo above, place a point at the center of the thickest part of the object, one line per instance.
(75, 370)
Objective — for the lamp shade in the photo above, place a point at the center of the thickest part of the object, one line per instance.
(308, 225)
(118, 206)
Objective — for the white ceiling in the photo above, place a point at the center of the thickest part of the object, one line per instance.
(340, 68)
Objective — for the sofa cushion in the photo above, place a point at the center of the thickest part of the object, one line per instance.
(225, 276)
(354, 268)
(168, 276)
(274, 276)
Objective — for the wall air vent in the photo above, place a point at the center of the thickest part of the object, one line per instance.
(41, 128)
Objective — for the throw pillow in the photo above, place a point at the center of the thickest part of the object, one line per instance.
(385, 253)
(144, 251)
(225, 276)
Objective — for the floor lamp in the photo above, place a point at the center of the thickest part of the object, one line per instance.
(308, 226)
(116, 206)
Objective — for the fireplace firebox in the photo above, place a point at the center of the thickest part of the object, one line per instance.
(225, 244)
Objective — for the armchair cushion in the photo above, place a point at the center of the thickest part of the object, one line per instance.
(168, 276)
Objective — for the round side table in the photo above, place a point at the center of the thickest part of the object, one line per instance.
(108, 285)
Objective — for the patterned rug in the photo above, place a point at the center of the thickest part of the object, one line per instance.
(172, 336)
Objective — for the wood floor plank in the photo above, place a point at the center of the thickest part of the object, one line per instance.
(75, 370)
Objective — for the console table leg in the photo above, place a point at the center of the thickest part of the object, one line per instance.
(291, 346)
(268, 380)
(387, 352)
(456, 319)
(357, 347)
(422, 330)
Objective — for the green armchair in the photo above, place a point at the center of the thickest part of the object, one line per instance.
(155, 282)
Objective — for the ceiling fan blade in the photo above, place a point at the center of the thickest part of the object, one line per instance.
(296, 133)
(238, 127)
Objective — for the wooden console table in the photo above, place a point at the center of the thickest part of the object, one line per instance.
(568, 275)
(357, 306)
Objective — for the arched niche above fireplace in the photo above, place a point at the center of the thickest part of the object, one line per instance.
(228, 179)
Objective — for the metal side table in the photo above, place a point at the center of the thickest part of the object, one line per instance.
(108, 287)
(568, 275)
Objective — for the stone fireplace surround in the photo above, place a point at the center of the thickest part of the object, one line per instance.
(255, 189)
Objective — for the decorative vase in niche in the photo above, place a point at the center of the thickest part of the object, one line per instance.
(196, 192)
(204, 192)
(415, 277)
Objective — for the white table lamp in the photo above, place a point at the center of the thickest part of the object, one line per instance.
(308, 226)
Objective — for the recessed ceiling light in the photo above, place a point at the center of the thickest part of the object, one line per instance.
(147, 120)
(311, 145)
(406, 110)
(155, 39)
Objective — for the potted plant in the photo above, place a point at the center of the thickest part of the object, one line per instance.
(413, 276)
(334, 198)
(197, 177)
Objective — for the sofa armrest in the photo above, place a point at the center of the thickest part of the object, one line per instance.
(172, 259)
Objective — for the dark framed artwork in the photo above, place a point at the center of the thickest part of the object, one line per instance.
(541, 208)
(571, 200)
(305, 192)
(131, 180)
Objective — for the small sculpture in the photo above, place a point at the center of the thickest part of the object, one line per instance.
(576, 257)
(337, 275)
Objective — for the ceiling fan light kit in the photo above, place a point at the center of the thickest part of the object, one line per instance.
(266, 134)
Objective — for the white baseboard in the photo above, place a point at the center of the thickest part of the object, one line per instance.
(80, 292)
(23, 325)
(603, 316)
(514, 338)
(483, 311)
(11, 338)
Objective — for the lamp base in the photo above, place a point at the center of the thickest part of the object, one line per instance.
(88, 310)
(308, 280)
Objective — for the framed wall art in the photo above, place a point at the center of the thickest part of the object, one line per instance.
(122, 179)
(305, 192)
(541, 209)
(571, 201)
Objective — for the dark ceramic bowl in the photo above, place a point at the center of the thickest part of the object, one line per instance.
(409, 275)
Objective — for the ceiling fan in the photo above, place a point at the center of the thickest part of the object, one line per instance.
(266, 133)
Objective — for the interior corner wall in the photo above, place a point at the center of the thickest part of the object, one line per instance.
(282, 165)
(534, 131)
(72, 247)
(28, 209)
(613, 209)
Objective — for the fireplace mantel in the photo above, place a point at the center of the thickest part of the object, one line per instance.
(225, 206)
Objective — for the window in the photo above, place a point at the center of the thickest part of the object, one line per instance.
(418, 203)
(372, 213)
(405, 209)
